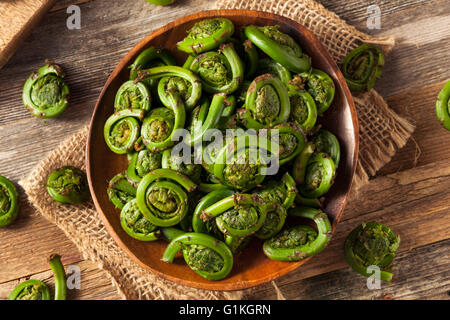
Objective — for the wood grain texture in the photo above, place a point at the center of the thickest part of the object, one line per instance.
(412, 77)
(17, 18)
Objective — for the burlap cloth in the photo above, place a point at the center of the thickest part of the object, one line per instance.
(382, 132)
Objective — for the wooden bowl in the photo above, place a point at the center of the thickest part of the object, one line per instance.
(251, 267)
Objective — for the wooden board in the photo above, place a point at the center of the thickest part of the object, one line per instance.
(17, 19)
(88, 64)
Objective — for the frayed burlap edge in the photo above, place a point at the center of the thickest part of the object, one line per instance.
(82, 224)
(382, 131)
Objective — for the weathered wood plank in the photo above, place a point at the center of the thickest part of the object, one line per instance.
(95, 284)
(422, 273)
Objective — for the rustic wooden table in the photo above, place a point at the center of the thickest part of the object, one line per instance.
(410, 194)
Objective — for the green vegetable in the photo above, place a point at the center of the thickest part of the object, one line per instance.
(319, 176)
(327, 142)
(301, 241)
(443, 106)
(68, 185)
(120, 190)
(303, 106)
(275, 69)
(136, 225)
(363, 66)
(162, 197)
(290, 139)
(161, 2)
(371, 243)
(206, 35)
(132, 95)
(191, 170)
(207, 256)
(122, 130)
(321, 87)
(281, 191)
(220, 71)
(9, 202)
(45, 94)
(59, 277)
(266, 103)
(30, 290)
(279, 46)
(141, 163)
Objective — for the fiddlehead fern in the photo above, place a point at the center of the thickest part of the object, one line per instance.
(275, 69)
(151, 57)
(206, 35)
(290, 139)
(120, 190)
(176, 163)
(161, 2)
(300, 163)
(248, 54)
(371, 243)
(266, 103)
(209, 226)
(242, 164)
(301, 241)
(221, 71)
(122, 129)
(279, 46)
(319, 176)
(281, 191)
(59, 276)
(238, 215)
(162, 197)
(136, 225)
(141, 163)
(30, 290)
(68, 185)
(321, 87)
(189, 85)
(327, 142)
(363, 66)
(38, 290)
(9, 202)
(132, 95)
(207, 256)
(274, 222)
(207, 117)
(303, 106)
(45, 94)
(161, 124)
(443, 106)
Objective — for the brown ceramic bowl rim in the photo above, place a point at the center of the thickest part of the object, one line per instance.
(124, 63)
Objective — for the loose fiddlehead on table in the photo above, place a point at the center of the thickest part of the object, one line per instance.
(38, 290)
(162, 197)
(371, 244)
(132, 95)
(68, 185)
(266, 103)
(206, 35)
(45, 94)
(443, 106)
(30, 290)
(135, 224)
(300, 241)
(207, 256)
(141, 163)
(279, 46)
(120, 190)
(9, 202)
(59, 276)
(221, 71)
(321, 87)
(122, 129)
(161, 2)
(363, 66)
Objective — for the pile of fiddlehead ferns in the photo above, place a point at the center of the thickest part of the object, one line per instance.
(259, 83)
